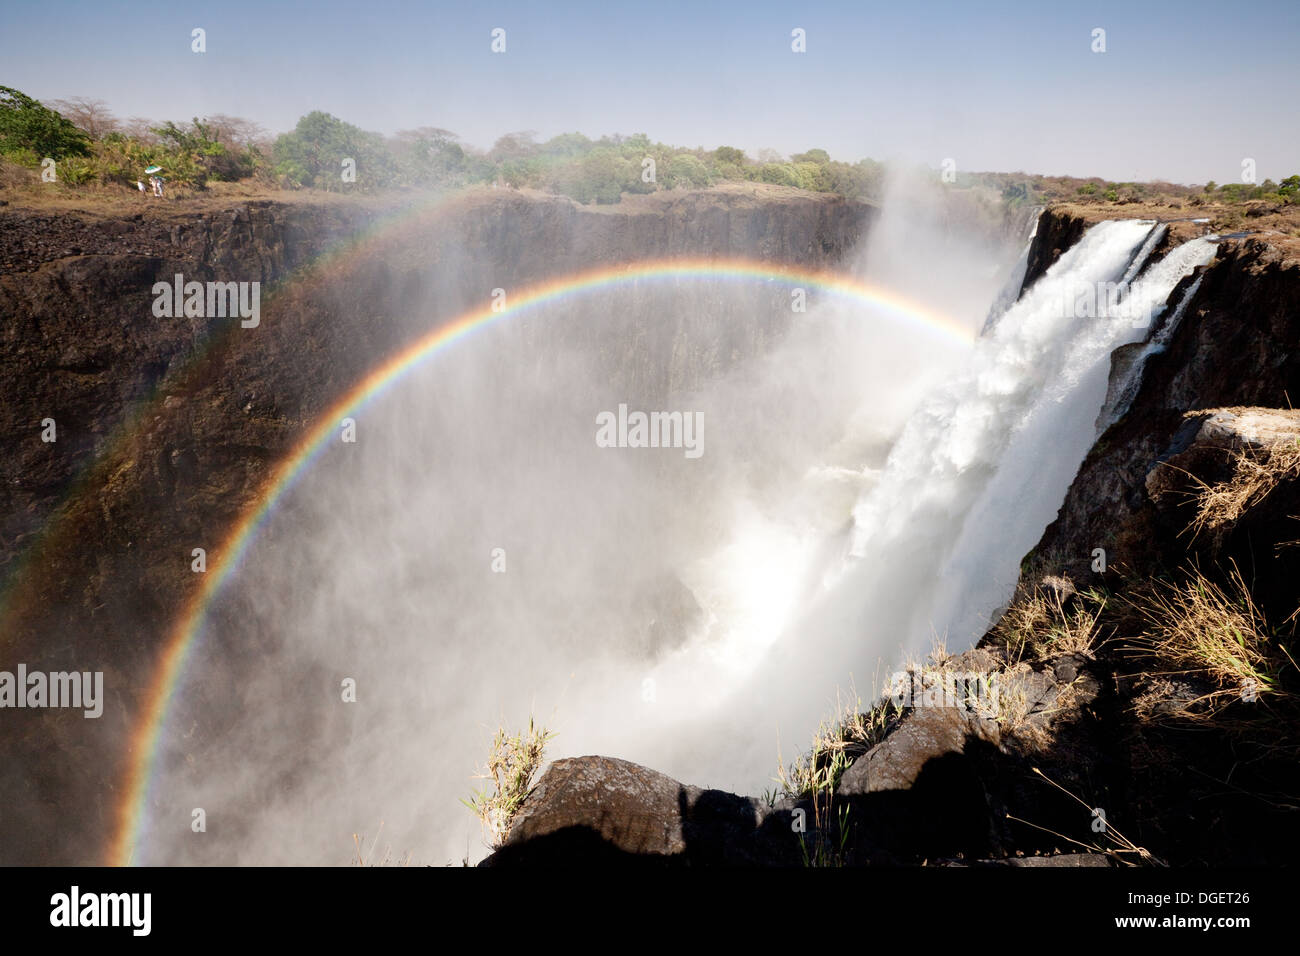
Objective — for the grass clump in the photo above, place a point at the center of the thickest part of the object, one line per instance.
(1215, 633)
(512, 765)
(837, 743)
(1050, 619)
(815, 775)
(1256, 471)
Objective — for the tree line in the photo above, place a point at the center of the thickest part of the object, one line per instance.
(91, 145)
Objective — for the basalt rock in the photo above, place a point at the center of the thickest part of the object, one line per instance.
(602, 810)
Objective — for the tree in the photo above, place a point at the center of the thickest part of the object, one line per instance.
(138, 127)
(314, 153)
(514, 146)
(812, 156)
(28, 127)
(780, 174)
(433, 155)
(235, 132)
(729, 154)
(567, 145)
(688, 172)
(1289, 186)
(90, 115)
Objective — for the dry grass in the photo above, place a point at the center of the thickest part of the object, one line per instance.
(1257, 470)
(1214, 633)
(1038, 625)
(1120, 848)
(368, 858)
(837, 743)
(815, 775)
(512, 765)
(1015, 710)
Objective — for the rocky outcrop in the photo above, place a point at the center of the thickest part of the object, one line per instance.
(945, 784)
(601, 810)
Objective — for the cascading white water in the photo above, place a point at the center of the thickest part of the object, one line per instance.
(974, 478)
(1045, 448)
(1128, 387)
(808, 582)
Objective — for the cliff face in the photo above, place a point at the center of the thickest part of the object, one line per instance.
(80, 343)
(167, 427)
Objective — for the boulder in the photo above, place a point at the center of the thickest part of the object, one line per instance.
(601, 809)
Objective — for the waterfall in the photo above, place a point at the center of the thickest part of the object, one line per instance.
(978, 472)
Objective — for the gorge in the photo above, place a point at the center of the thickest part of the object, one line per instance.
(891, 468)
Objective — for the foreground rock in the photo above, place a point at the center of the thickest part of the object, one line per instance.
(598, 809)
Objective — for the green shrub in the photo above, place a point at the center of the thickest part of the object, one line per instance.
(75, 171)
(687, 171)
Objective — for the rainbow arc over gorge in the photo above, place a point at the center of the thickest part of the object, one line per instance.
(132, 814)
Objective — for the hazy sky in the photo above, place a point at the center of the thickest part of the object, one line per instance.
(1185, 90)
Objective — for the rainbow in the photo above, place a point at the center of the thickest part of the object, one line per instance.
(224, 561)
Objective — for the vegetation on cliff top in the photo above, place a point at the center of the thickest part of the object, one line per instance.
(91, 146)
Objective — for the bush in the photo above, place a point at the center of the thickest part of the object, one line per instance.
(75, 171)
(779, 174)
(686, 171)
(729, 155)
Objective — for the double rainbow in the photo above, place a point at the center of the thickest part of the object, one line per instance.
(144, 744)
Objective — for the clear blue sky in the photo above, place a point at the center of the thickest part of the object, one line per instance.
(1185, 91)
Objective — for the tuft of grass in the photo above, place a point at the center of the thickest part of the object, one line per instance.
(368, 858)
(837, 743)
(1213, 632)
(512, 765)
(1039, 625)
(815, 775)
(1256, 472)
